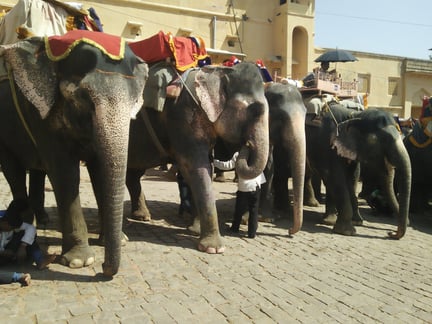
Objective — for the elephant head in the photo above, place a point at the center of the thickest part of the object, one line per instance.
(88, 99)
(372, 137)
(233, 99)
(287, 134)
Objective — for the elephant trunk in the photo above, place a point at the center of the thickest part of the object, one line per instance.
(112, 188)
(253, 155)
(297, 151)
(111, 125)
(401, 162)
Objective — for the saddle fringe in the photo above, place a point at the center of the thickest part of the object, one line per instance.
(24, 32)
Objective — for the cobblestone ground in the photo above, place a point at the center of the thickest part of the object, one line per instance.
(313, 277)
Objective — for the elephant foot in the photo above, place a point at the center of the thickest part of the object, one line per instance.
(311, 202)
(344, 229)
(78, 257)
(396, 235)
(142, 216)
(329, 219)
(211, 245)
(195, 227)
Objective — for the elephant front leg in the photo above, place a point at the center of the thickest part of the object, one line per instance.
(330, 215)
(344, 223)
(76, 252)
(344, 208)
(210, 240)
(309, 198)
(357, 219)
(37, 196)
(331, 212)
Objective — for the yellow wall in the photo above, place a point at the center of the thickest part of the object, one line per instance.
(281, 35)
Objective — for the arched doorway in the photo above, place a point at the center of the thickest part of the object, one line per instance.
(299, 53)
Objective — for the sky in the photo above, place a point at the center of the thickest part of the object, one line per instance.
(392, 27)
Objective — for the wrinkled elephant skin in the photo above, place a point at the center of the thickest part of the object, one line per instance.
(421, 161)
(287, 115)
(227, 103)
(342, 140)
(78, 108)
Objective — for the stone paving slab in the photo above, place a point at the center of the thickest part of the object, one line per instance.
(313, 277)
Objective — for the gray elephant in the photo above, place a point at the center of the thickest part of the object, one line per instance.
(341, 139)
(60, 112)
(216, 102)
(419, 147)
(287, 115)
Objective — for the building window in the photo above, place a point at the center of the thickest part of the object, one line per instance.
(363, 83)
(282, 2)
(393, 86)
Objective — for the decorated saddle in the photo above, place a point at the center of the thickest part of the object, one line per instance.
(186, 52)
(59, 47)
(169, 58)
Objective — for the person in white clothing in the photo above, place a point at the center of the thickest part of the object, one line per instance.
(247, 197)
(18, 238)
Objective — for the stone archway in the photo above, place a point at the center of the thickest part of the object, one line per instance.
(299, 52)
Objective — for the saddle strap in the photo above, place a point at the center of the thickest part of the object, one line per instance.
(150, 129)
(17, 106)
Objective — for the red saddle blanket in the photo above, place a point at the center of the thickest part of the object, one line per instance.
(186, 51)
(59, 47)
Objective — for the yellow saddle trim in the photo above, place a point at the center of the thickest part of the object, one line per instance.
(72, 45)
(417, 144)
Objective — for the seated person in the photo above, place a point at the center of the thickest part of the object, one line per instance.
(18, 238)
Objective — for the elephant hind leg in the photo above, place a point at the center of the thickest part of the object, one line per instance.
(139, 209)
(37, 196)
(344, 228)
(309, 198)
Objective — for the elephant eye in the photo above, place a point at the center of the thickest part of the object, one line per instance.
(256, 110)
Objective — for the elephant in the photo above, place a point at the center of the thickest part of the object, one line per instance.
(215, 103)
(287, 137)
(421, 159)
(417, 144)
(341, 139)
(61, 111)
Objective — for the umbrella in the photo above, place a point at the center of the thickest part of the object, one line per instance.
(336, 55)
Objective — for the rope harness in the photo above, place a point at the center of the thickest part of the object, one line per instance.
(326, 107)
(148, 124)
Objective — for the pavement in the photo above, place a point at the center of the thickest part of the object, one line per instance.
(313, 277)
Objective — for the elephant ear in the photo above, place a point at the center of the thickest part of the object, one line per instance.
(344, 140)
(210, 88)
(33, 72)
